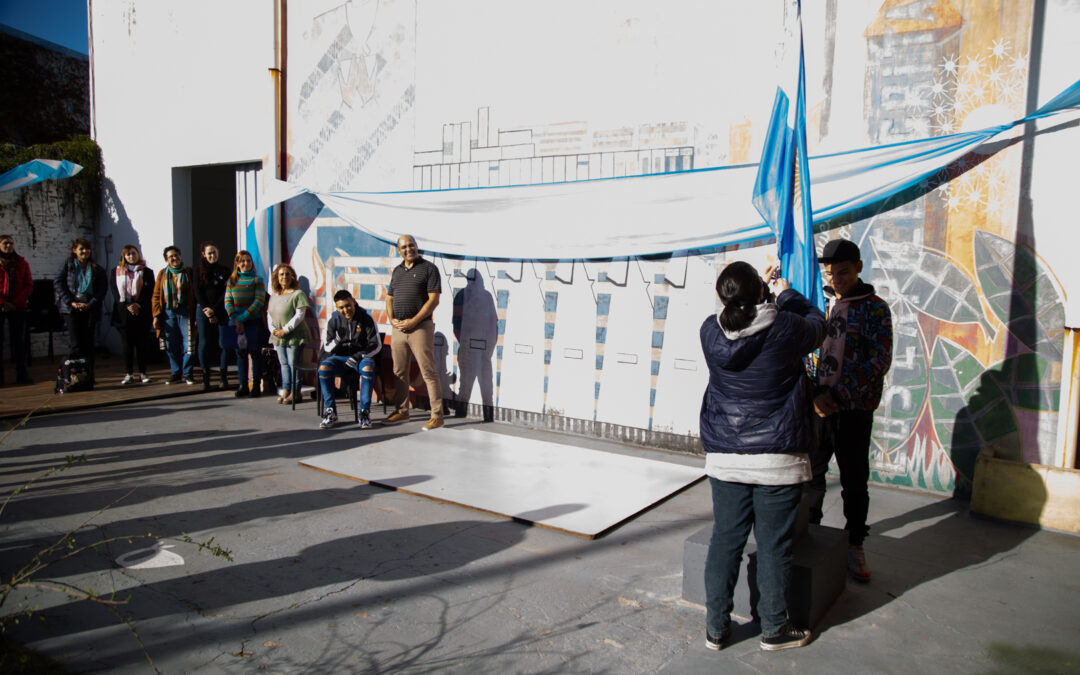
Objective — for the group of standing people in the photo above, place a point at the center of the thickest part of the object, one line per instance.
(769, 429)
(202, 314)
(198, 315)
(214, 311)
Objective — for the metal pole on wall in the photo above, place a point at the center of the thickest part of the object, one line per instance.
(281, 142)
(1069, 401)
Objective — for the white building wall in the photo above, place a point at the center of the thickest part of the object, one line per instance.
(176, 84)
(384, 100)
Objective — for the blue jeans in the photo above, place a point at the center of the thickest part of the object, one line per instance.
(332, 366)
(209, 338)
(177, 333)
(771, 511)
(287, 357)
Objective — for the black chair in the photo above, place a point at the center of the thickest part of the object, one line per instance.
(43, 315)
(351, 380)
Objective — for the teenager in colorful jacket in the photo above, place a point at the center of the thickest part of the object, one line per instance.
(854, 358)
(174, 315)
(245, 302)
(754, 419)
(80, 288)
(16, 285)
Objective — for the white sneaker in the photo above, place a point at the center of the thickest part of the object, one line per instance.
(128, 379)
(329, 419)
(144, 378)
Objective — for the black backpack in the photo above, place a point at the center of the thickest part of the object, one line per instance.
(73, 375)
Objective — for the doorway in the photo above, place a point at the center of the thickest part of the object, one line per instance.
(215, 203)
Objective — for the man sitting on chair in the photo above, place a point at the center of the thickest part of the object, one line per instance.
(351, 342)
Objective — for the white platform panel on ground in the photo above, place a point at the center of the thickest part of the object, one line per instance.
(576, 490)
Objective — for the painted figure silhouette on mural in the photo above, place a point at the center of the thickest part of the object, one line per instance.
(476, 331)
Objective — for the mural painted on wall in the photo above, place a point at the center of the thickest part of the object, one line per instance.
(353, 88)
(978, 315)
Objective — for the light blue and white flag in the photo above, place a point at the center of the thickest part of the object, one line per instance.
(37, 170)
(782, 189)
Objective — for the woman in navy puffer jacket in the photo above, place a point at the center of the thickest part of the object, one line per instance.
(754, 420)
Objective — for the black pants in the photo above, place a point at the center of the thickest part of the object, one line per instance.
(16, 332)
(81, 325)
(847, 436)
(134, 336)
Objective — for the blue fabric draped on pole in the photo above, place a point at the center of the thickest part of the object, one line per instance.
(782, 190)
(37, 170)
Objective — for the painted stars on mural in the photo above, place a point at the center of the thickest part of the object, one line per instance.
(969, 93)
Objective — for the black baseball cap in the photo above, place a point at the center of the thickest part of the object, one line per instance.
(840, 250)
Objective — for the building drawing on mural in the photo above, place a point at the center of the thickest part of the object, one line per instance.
(552, 153)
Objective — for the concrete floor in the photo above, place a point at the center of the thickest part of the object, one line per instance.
(332, 576)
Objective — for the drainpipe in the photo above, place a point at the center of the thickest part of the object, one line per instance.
(281, 126)
(1069, 401)
(281, 160)
(90, 50)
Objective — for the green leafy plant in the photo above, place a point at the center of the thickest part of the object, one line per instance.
(83, 189)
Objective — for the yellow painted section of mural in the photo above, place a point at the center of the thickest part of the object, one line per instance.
(739, 138)
(1027, 493)
(977, 314)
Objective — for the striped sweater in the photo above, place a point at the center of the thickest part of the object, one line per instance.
(245, 300)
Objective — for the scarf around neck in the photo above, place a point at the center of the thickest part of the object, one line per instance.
(176, 287)
(129, 281)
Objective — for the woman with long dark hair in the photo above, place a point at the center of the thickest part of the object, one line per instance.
(245, 298)
(133, 292)
(80, 287)
(754, 420)
(210, 312)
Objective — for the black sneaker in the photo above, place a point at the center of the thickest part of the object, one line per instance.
(715, 642)
(174, 379)
(365, 420)
(789, 637)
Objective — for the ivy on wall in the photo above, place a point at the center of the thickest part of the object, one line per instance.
(84, 188)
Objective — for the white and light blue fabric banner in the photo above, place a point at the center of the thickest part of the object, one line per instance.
(37, 170)
(782, 192)
(645, 215)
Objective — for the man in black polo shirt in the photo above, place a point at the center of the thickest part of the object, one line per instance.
(411, 298)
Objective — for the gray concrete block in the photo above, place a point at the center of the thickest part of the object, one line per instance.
(818, 576)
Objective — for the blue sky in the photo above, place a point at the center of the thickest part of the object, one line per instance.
(59, 21)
